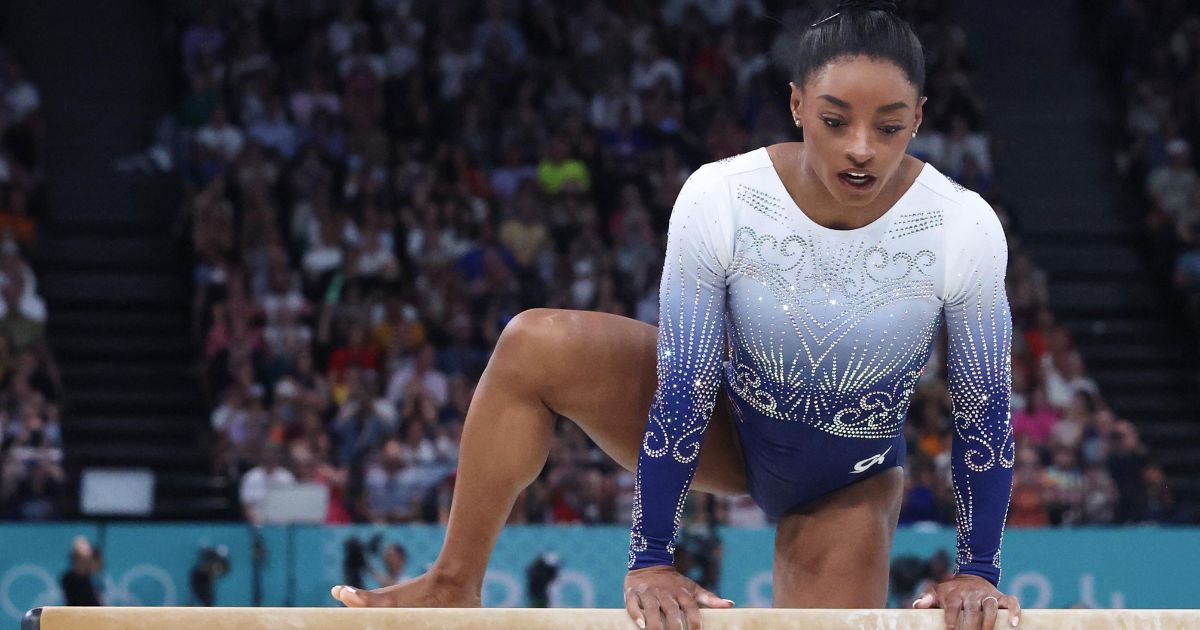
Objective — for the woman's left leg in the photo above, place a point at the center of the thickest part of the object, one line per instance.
(836, 551)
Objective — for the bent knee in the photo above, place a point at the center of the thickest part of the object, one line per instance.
(534, 329)
(539, 339)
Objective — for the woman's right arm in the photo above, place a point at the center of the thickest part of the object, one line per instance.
(690, 343)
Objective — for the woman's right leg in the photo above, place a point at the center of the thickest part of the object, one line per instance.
(596, 369)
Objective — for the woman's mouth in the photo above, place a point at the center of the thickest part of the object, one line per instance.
(857, 180)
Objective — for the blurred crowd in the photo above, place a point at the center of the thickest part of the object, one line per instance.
(376, 187)
(32, 481)
(1152, 52)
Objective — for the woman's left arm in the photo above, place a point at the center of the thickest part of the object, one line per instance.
(979, 362)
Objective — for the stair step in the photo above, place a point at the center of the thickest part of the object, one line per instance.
(113, 287)
(1089, 257)
(1157, 381)
(108, 373)
(1109, 329)
(1132, 355)
(191, 417)
(124, 347)
(1169, 431)
(1102, 297)
(1088, 220)
(139, 322)
(1184, 486)
(165, 456)
(138, 398)
(1180, 461)
(1154, 407)
(126, 430)
(91, 249)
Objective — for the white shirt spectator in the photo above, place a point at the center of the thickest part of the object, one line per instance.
(1061, 390)
(322, 258)
(276, 305)
(275, 132)
(646, 75)
(226, 140)
(259, 481)
(29, 306)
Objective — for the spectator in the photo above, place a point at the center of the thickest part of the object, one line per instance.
(259, 481)
(220, 136)
(393, 486)
(1172, 185)
(1035, 423)
(560, 173)
(419, 378)
(1029, 496)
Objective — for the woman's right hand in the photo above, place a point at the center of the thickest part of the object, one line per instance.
(660, 598)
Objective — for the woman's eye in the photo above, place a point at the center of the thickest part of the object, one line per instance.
(830, 122)
(891, 130)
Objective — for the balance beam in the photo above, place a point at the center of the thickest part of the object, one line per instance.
(67, 618)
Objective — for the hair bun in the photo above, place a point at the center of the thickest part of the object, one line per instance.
(889, 6)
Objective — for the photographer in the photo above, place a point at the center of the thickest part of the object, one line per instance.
(211, 564)
(539, 575)
(358, 561)
(78, 582)
(395, 560)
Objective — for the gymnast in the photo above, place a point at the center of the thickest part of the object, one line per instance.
(803, 287)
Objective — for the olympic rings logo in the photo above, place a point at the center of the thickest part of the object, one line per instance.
(33, 586)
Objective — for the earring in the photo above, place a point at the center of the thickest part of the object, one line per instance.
(797, 121)
(914, 133)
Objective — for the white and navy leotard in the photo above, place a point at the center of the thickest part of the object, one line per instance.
(818, 337)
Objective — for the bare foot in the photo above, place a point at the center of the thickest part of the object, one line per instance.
(425, 591)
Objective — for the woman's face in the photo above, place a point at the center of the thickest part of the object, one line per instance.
(858, 115)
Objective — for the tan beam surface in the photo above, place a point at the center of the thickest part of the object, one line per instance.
(63, 618)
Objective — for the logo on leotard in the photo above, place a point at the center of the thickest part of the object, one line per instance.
(862, 466)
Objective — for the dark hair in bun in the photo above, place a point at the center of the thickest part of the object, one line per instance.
(868, 5)
(861, 27)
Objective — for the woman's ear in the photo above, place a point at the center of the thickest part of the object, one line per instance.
(796, 104)
(920, 113)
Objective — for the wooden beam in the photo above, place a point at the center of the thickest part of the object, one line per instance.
(66, 618)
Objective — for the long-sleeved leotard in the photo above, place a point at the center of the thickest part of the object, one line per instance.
(818, 337)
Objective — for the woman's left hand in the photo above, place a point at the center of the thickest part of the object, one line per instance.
(972, 598)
